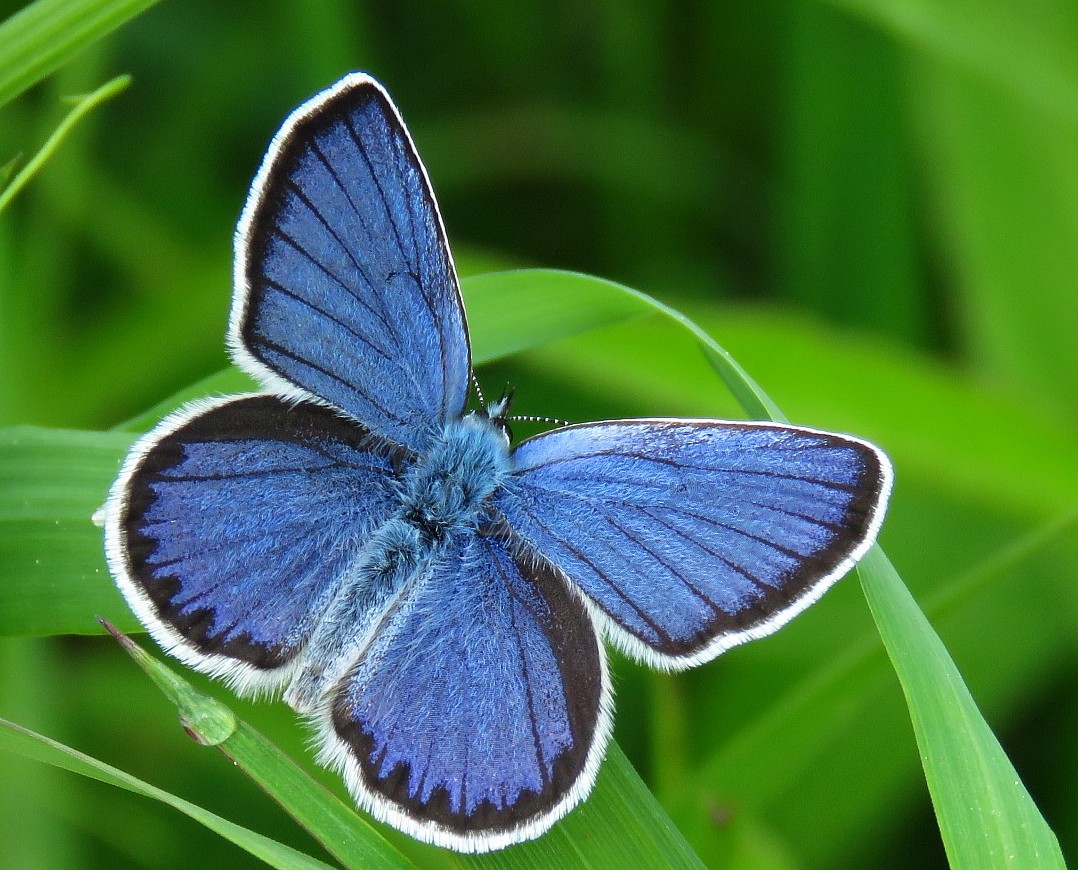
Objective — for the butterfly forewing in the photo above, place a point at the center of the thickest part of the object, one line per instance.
(693, 535)
(345, 284)
(234, 525)
(478, 714)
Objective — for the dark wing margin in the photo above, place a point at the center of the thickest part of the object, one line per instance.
(345, 289)
(692, 536)
(231, 522)
(479, 713)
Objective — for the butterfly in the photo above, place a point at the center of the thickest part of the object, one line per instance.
(431, 597)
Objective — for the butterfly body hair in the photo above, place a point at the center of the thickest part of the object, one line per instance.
(444, 491)
(447, 488)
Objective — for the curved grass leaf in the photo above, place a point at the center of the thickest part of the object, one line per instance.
(43, 36)
(986, 817)
(15, 738)
(83, 105)
(344, 834)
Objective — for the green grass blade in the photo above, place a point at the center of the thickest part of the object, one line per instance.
(43, 36)
(549, 304)
(84, 105)
(15, 738)
(764, 760)
(986, 817)
(620, 825)
(346, 835)
(53, 578)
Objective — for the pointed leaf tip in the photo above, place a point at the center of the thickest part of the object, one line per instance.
(206, 720)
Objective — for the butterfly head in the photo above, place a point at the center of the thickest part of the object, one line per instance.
(498, 414)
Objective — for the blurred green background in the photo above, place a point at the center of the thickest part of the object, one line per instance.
(873, 204)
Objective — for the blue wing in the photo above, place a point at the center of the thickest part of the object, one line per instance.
(345, 287)
(692, 535)
(229, 527)
(478, 714)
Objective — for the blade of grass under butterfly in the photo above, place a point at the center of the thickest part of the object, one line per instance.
(41, 37)
(14, 738)
(620, 825)
(772, 752)
(986, 816)
(83, 105)
(345, 835)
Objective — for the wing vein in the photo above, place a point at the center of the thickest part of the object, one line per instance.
(540, 760)
(658, 629)
(377, 183)
(272, 345)
(303, 300)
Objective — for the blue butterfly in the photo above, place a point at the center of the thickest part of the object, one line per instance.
(429, 596)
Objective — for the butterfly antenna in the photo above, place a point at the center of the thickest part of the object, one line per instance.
(530, 418)
(478, 390)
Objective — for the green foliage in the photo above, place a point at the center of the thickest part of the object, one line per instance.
(16, 739)
(870, 204)
(83, 105)
(46, 34)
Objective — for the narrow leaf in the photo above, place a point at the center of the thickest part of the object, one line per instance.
(15, 738)
(345, 835)
(43, 36)
(83, 106)
(986, 817)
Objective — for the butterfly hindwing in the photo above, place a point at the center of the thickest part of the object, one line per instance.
(478, 714)
(345, 287)
(232, 523)
(691, 536)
